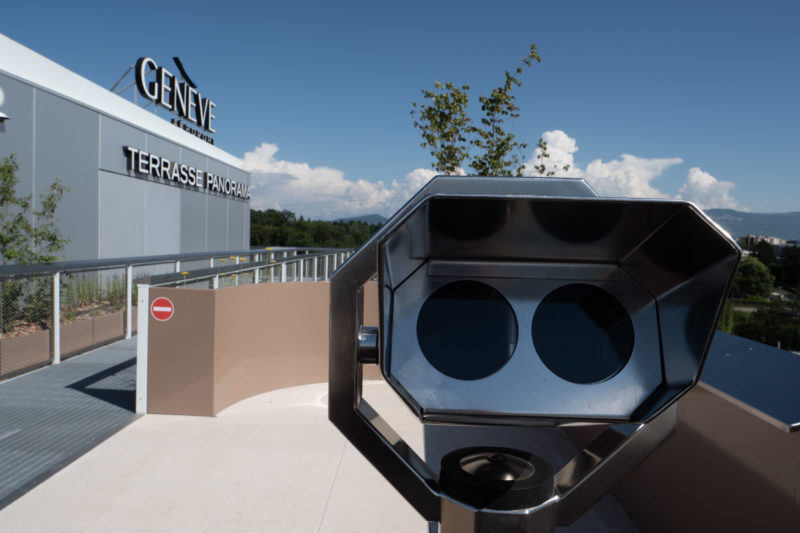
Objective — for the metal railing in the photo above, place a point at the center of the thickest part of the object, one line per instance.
(276, 266)
(49, 312)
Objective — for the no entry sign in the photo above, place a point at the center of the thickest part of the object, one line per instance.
(162, 309)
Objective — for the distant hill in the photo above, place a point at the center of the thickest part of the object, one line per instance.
(369, 219)
(738, 223)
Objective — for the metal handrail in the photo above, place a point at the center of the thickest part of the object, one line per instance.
(254, 260)
(21, 270)
(208, 273)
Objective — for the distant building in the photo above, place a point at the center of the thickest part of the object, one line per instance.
(750, 241)
(780, 295)
(138, 184)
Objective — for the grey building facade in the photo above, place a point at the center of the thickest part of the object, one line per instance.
(138, 185)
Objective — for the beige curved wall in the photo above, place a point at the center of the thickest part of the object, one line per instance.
(222, 346)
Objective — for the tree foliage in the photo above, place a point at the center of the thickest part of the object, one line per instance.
(28, 235)
(763, 251)
(789, 265)
(452, 136)
(785, 267)
(542, 156)
(283, 228)
(753, 279)
(772, 322)
(497, 148)
(444, 125)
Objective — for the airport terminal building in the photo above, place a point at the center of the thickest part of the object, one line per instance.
(138, 184)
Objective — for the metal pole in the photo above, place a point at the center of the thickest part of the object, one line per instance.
(177, 265)
(315, 269)
(283, 272)
(128, 301)
(141, 349)
(325, 268)
(56, 325)
(302, 269)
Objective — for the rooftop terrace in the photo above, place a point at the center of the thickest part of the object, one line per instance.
(271, 463)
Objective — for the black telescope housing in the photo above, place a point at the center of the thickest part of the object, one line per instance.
(528, 301)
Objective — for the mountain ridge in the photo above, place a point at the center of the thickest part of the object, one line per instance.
(368, 219)
(738, 223)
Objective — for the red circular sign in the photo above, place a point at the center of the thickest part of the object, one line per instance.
(162, 309)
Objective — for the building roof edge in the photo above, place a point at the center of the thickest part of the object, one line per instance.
(27, 65)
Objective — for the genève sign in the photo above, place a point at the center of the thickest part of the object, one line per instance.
(194, 111)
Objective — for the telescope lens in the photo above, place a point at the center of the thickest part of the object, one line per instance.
(582, 333)
(467, 330)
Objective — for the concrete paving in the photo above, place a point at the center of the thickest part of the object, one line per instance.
(271, 463)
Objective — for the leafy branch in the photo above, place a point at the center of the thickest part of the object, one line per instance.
(444, 125)
(541, 156)
(452, 136)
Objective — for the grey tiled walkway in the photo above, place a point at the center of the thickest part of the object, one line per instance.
(52, 416)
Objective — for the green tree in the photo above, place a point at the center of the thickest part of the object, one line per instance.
(444, 125)
(764, 253)
(753, 279)
(727, 319)
(452, 136)
(27, 235)
(790, 269)
(775, 323)
(497, 148)
(283, 228)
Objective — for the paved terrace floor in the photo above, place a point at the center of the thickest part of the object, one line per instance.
(271, 463)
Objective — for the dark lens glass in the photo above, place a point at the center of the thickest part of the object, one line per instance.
(467, 330)
(582, 333)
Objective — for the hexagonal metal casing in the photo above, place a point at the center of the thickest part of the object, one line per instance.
(528, 301)
(547, 308)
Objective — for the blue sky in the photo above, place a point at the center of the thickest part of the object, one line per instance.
(690, 99)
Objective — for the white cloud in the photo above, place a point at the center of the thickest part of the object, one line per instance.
(632, 176)
(629, 176)
(707, 191)
(322, 192)
(560, 149)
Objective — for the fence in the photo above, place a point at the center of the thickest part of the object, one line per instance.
(54, 311)
(280, 266)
